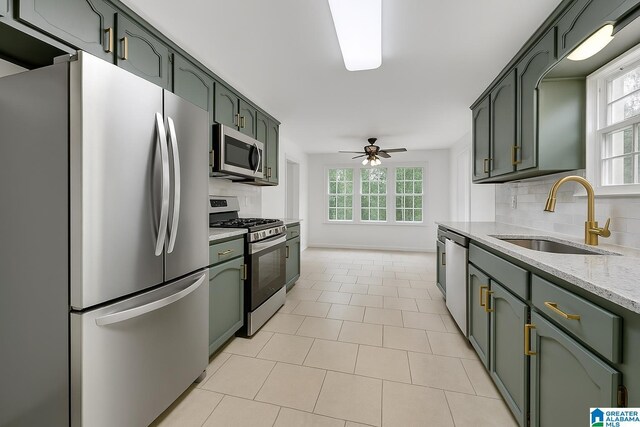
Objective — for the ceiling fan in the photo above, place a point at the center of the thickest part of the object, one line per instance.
(372, 152)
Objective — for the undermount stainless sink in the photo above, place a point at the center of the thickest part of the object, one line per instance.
(543, 245)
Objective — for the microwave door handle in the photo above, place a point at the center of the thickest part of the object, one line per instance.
(140, 310)
(164, 211)
(173, 229)
(259, 158)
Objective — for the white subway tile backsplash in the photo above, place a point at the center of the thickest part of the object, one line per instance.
(571, 211)
(250, 197)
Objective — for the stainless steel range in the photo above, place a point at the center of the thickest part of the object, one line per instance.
(265, 252)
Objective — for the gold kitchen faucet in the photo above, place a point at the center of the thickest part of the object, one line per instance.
(591, 229)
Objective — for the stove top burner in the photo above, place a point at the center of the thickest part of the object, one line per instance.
(244, 223)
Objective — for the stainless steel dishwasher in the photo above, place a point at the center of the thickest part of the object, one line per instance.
(457, 256)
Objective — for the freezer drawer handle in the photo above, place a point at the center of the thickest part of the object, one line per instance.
(164, 212)
(121, 316)
(173, 231)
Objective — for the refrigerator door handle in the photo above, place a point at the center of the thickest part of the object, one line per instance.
(164, 211)
(130, 313)
(173, 230)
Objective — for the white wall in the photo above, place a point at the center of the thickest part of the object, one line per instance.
(274, 198)
(379, 236)
(480, 198)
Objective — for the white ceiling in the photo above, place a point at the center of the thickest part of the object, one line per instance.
(437, 57)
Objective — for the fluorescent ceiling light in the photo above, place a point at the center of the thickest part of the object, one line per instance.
(359, 27)
(593, 44)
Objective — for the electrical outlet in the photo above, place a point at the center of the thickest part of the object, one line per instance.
(514, 201)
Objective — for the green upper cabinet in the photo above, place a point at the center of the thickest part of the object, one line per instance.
(262, 127)
(273, 148)
(85, 24)
(478, 313)
(192, 84)
(141, 53)
(225, 106)
(247, 118)
(508, 365)
(530, 70)
(231, 110)
(582, 19)
(566, 379)
(503, 125)
(481, 140)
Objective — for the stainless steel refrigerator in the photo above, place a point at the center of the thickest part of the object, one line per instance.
(104, 244)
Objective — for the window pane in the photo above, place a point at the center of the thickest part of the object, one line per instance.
(408, 201)
(399, 216)
(399, 187)
(382, 215)
(332, 188)
(332, 201)
(340, 202)
(624, 84)
(340, 189)
(417, 215)
(624, 108)
(408, 174)
(348, 201)
(418, 174)
(618, 171)
(332, 174)
(618, 143)
(417, 187)
(399, 201)
(399, 174)
(349, 174)
(408, 187)
(365, 187)
(408, 215)
(348, 214)
(349, 187)
(373, 188)
(340, 214)
(364, 201)
(373, 215)
(364, 214)
(418, 202)
(382, 201)
(332, 214)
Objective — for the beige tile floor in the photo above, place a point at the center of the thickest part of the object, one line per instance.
(363, 339)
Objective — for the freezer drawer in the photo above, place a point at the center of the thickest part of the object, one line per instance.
(132, 359)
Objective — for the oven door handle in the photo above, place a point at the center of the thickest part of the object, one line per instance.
(266, 244)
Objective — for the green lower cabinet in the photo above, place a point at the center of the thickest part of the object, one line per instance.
(566, 379)
(508, 365)
(226, 301)
(293, 261)
(478, 315)
(441, 276)
(141, 53)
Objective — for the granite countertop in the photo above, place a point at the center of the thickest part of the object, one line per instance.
(224, 233)
(291, 221)
(612, 275)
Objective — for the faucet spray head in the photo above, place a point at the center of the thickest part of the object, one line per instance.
(550, 206)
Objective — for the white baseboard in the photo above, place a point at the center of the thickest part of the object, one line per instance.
(369, 247)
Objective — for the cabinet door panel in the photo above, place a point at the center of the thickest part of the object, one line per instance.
(503, 125)
(440, 269)
(248, 117)
(273, 143)
(141, 53)
(226, 302)
(581, 20)
(481, 140)
(190, 83)
(84, 24)
(530, 70)
(262, 127)
(225, 106)
(478, 317)
(293, 261)
(566, 378)
(509, 366)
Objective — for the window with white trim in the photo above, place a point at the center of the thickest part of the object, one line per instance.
(376, 195)
(340, 192)
(409, 194)
(613, 126)
(373, 194)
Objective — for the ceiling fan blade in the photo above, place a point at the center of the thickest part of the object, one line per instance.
(362, 155)
(383, 154)
(394, 150)
(352, 152)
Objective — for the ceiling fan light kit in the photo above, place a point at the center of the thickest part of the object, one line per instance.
(358, 25)
(372, 153)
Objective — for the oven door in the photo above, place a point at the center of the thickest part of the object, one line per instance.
(266, 270)
(236, 153)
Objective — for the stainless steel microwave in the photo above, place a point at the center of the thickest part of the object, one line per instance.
(235, 154)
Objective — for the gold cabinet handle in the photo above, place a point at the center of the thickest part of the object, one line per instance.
(527, 339)
(514, 155)
(236, 120)
(482, 289)
(287, 250)
(443, 258)
(125, 48)
(109, 34)
(486, 302)
(268, 172)
(554, 307)
(242, 122)
(227, 252)
(244, 272)
(485, 167)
